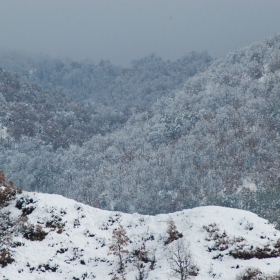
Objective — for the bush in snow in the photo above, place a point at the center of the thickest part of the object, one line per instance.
(5, 257)
(173, 233)
(252, 273)
(119, 241)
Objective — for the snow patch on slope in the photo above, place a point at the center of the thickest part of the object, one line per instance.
(78, 239)
(247, 185)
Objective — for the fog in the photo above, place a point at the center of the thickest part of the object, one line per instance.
(122, 30)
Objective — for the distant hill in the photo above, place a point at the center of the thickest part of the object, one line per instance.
(37, 94)
(50, 237)
(214, 142)
(29, 112)
(120, 88)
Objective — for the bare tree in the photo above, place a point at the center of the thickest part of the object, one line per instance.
(119, 241)
(181, 262)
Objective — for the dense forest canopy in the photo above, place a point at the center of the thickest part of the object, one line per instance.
(104, 95)
(156, 137)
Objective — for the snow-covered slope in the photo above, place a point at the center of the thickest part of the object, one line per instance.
(78, 238)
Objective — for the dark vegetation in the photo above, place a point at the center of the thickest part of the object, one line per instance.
(253, 273)
(5, 257)
(7, 191)
(34, 233)
(146, 138)
(173, 233)
(238, 247)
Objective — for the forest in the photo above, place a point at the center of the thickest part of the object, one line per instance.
(155, 137)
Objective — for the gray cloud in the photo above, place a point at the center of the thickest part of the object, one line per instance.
(122, 30)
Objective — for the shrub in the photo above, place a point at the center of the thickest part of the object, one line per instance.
(7, 190)
(259, 253)
(6, 194)
(222, 241)
(56, 224)
(35, 233)
(252, 273)
(5, 257)
(141, 259)
(173, 233)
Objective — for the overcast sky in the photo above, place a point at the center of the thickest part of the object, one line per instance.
(122, 30)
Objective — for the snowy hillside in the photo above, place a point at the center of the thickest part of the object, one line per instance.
(52, 237)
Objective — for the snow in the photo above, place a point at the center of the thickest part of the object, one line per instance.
(3, 132)
(87, 234)
(247, 185)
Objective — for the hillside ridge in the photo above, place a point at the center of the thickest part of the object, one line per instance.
(53, 237)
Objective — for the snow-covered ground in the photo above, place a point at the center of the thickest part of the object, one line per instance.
(79, 236)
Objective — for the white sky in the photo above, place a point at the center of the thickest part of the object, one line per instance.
(122, 30)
